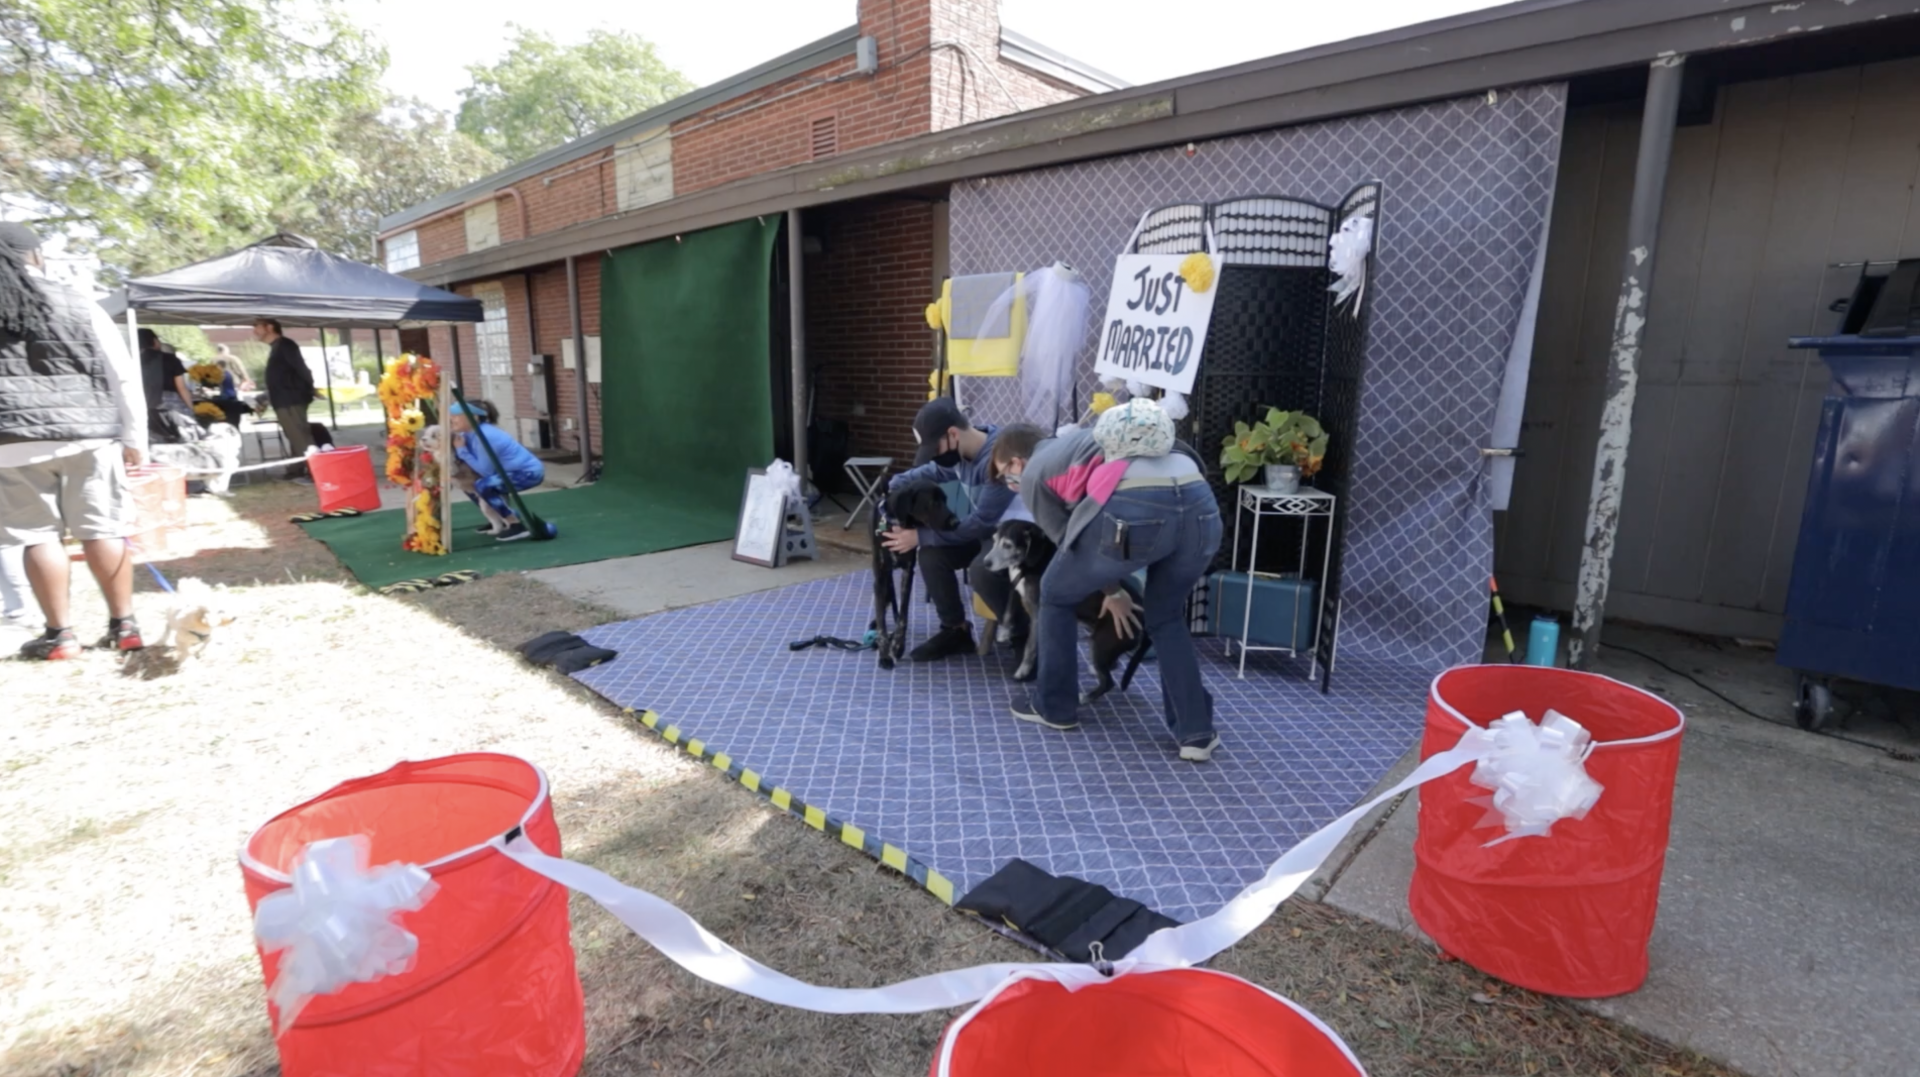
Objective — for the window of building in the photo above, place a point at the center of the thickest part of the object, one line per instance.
(643, 168)
(496, 356)
(483, 226)
(403, 251)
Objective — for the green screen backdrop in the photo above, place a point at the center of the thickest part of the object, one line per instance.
(686, 401)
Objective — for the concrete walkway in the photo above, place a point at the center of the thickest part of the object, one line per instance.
(1790, 908)
(670, 579)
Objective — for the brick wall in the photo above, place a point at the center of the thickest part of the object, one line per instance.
(939, 68)
(867, 338)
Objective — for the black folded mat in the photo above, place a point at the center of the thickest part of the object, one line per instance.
(1066, 915)
(565, 652)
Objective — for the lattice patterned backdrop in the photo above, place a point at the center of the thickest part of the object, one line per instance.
(1466, 189)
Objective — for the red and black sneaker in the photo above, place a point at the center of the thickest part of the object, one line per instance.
(55, 645)
(122, 635)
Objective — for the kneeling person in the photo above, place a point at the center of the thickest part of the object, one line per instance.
(477, 477)
(952, 450)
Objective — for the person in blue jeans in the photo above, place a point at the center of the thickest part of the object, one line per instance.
(1116, 499)
(477, 477)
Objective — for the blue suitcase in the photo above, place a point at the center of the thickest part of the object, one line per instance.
(1283, 609)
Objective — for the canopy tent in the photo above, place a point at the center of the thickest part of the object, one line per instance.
(288, 278)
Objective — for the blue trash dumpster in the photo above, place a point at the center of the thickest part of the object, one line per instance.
(1853, 607)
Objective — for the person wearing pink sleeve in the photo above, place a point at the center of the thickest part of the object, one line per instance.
(1117, 499)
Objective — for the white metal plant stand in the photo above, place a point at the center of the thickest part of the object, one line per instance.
(1305, 505)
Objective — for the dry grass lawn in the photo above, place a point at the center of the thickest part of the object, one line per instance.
(124, 936)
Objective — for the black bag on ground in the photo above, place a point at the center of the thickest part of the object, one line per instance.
(565, 652)
(1066, 915)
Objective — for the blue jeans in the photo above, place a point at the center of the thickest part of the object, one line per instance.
(491, 490)
(1172, 532)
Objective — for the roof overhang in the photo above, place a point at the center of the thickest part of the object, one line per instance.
(1517, 44)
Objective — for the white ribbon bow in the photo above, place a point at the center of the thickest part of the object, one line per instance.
(335, 925)
(1347, 256)
(1537, 773)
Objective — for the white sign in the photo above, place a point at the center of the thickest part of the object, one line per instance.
(1157, 319)
(763, 521)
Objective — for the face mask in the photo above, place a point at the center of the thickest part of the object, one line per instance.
(950, 458)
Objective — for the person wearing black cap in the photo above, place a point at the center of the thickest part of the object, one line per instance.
(71, 421)
(952, 450)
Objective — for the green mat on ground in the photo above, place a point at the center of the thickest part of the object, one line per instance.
(609, 519)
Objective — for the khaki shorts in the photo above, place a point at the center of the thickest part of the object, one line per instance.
(83, 494)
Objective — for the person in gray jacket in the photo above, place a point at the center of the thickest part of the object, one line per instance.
(1116, 499)
(72, 419)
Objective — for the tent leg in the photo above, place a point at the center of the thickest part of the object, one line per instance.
(133, 334)
(326, 368)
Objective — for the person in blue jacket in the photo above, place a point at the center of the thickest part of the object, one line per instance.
(952, 450)
(477, 477)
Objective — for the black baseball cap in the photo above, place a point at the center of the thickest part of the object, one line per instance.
(936, 417)
(17, 238)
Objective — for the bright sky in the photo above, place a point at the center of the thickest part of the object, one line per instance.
(431, 43)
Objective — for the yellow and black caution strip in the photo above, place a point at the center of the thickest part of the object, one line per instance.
(428, 583)
(314, 517)
(890, 855)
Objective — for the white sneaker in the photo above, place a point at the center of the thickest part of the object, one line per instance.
(1200, 753)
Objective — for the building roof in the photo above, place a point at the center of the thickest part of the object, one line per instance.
(1531, 41)
(1032, 55)
(837, 45)
(834, 46)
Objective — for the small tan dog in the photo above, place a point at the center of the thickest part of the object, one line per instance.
(197, 610)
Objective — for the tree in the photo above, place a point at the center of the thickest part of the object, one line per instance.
(161, 131)
(543, 94)
(391, 159)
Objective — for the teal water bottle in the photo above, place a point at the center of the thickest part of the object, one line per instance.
(1543, 642)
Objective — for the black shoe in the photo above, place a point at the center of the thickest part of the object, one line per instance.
(122, 635)
(55, 645)
(513, 533)
(944, 644)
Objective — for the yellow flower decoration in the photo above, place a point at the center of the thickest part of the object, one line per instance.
(412, 420)
(1101, 402)
(1197, 270)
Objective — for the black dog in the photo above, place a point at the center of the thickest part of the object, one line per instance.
(1023, 552)
(917, 504)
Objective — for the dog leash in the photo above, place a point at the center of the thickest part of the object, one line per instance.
(864, 643)
(133, 550)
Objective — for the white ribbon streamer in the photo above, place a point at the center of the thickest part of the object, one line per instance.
(681, 939)
(334, 925)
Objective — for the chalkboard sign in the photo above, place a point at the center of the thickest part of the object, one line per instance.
(763, 519)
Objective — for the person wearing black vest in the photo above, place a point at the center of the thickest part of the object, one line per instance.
(289, 391)
(71, 421)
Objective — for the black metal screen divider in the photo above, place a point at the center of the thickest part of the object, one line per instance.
(1278, 337)
(1343, 368)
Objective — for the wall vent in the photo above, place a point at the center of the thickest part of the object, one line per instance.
(826, 137)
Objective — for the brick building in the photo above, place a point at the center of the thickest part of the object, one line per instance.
(908, 68)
